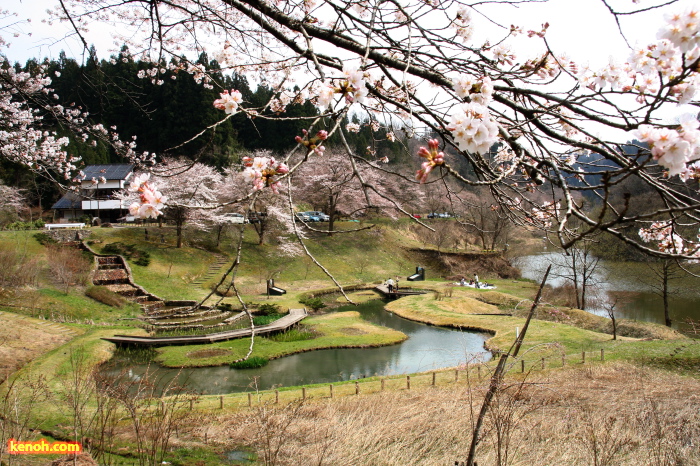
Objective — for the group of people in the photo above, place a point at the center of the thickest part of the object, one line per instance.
(473, 282)
(392, 285)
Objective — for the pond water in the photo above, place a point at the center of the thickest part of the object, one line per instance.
(427, 348)
(632, 283)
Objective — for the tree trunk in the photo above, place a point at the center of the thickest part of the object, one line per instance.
(178, 229)
(667, 315)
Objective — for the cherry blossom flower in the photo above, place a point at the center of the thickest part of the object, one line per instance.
(151, 201)
(433, 159)
(473, 128)
(229, 102)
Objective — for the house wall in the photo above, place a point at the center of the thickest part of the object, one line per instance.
(103, 205)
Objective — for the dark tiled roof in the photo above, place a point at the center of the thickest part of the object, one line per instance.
(114, 171)
(70, 200)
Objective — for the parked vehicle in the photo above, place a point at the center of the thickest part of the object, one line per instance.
(127, 219)
(433, 215)
(303, 216)
(256, 217)
(234, 218)
(321, 216)
(416, 216)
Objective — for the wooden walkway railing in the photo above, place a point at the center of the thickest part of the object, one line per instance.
(294, 317)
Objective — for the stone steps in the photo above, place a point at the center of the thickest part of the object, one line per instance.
(214, 269)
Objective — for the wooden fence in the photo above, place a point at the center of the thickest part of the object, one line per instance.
(471, 374)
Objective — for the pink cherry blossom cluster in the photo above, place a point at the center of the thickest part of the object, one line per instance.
(479, 91)
(432, 158)
(352, 87)
(473, 128)
(667, 239)
(229, 101)
(546, 213)
(668, 59)
(24, 103)
(261, 172)
(463, 23)
(151, 201)
(673, 149)
(314, 142)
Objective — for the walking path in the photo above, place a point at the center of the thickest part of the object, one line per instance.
(294, 317)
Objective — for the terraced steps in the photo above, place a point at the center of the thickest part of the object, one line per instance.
(213, 271)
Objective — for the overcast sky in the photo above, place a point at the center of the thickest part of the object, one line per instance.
(582, 28)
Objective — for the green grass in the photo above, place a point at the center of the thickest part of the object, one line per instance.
(293, 334)
(338, 330)
(252, 362)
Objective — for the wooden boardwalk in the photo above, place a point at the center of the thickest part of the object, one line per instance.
(384, 290)
(294, 317)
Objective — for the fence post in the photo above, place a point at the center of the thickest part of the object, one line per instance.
(602, 354)
(563, 360)
(303, 393)
(221, 402)
(583, 357)
(383, 381)
(542, 363)
(408, 382)
(277, 396)
(250, 400)
(331, 389)
(191, 404)
(433, 379)
(478, 372)
(456, 375)
(522, 365)
(357, 388)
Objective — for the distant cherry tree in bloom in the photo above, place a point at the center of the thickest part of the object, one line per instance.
(28, 118)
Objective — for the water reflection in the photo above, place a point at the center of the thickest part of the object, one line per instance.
(630, 283)
(427, 348)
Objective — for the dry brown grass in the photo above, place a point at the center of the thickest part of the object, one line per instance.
(23, 339)
(613, 414)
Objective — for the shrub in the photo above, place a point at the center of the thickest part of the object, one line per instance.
(105, 296)
(252, 362)
(44, 239)
(314, 303)
(226, 307)
(68, 266)
(267, 319)
(35, 225)
(268, 309)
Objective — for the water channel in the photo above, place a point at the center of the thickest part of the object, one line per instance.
(632, 283)
(427, 348)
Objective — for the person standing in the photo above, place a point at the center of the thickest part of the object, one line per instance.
(476, 280)
(390, 285)
(397, 283)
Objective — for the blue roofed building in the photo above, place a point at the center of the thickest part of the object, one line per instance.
(95, 197)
